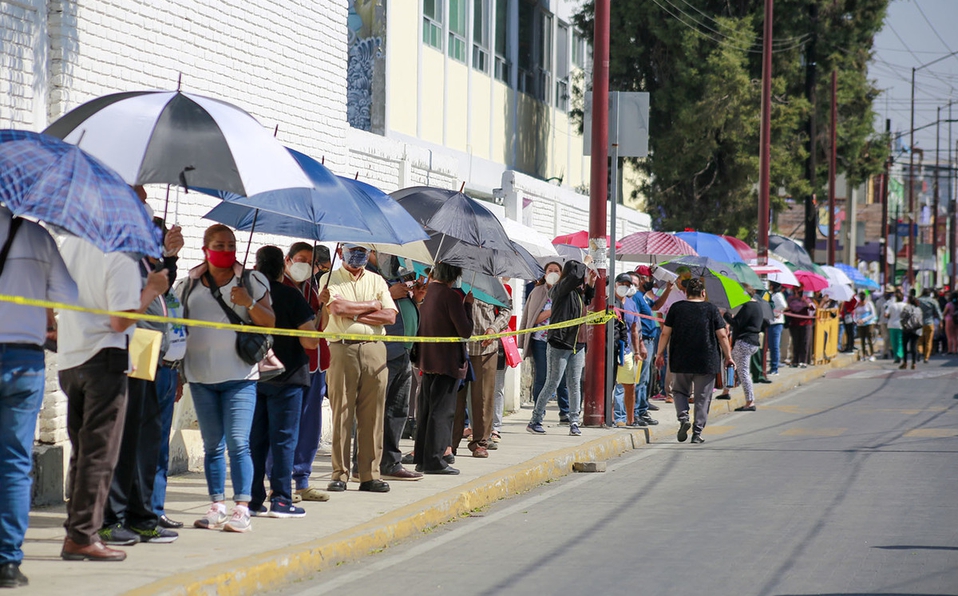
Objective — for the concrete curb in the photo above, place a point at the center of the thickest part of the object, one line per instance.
(263, 571)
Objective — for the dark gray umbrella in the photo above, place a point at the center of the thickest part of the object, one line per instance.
(791, 251)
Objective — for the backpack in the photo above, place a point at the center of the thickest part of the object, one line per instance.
(911, 319)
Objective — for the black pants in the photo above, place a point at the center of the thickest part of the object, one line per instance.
(849, 337)
(131, 492)
(398, 388)
(434, 417)
(96, 407)
(910, 340)
(800, 335)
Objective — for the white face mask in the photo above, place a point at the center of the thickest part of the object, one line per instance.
(631, 291)
(552, 278)
(458, 283)
(300, 272)
(621, 291)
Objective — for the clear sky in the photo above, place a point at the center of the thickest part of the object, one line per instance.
(917, 32)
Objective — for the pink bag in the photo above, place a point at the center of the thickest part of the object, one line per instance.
(511, 351)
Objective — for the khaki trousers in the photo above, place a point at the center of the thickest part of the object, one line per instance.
(482, 393)
(356, 384)
(927, 340)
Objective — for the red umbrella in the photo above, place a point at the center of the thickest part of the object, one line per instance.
(811, 282)
(653, 247)
(579, 239)
(744, 250)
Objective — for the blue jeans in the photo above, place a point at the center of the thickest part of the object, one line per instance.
(225, 413)
(275, 431)
(561, 364)
(618, 404)
(642, 387)
(166, 381)
(774, 343)
(21, 394)
(310, 430)
(541, 366)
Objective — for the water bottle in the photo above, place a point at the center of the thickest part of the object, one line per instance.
(730, 376)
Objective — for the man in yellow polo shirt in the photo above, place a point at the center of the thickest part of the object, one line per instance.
(357, 302)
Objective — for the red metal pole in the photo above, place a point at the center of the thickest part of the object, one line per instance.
(595, 370)
(765, 140)
(910, 276)
(832, 171)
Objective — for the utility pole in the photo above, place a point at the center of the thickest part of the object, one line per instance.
(951, 208)
(884, 208)
(811, 233)
(832, 165)
(934, 210)
(765, 139)
(595, 370)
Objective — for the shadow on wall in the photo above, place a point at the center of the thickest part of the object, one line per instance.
(64, 48)
(528, 127)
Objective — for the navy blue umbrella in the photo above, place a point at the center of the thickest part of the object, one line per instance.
(58, 183)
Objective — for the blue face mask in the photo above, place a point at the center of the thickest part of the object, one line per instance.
(356, 258)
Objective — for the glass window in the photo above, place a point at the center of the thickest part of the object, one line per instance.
(562, 66)
(502, 36)
(432, 23)
(578, 50)
(480, 35)
(457, 30)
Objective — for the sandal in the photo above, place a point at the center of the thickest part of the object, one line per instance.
(312, 494)
(495, 437)
(668, 400)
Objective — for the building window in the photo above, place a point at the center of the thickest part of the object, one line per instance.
(562, 66)
(502, 36)
(535, 52)
(578, 50)
(480, 35)
(432, 23)
(457, 30)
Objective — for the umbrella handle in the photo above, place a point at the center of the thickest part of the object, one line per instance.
(331, 263)
(250, 242)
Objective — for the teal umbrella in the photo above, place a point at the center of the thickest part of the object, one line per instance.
(746, 275)
(722, 291)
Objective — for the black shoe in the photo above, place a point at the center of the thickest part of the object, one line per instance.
(10, 576)
(409, 458)
(697, 438)
(639, 422)
(750, 408)
(449, 459)
(723, 396)
(563, 419)
(336, 486)
(763, 381)
(648, 419)
(168, 523)
(653, 407)
(683, 433)
(447, 471)
(374, 486)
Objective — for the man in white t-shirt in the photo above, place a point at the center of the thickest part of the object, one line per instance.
(93, 359)
(30, 267)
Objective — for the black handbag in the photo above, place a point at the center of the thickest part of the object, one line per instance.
(252, 348)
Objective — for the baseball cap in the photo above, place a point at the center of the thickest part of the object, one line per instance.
(644, 270)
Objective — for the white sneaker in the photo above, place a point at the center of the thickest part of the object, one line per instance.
(214, 518)
(239, 521)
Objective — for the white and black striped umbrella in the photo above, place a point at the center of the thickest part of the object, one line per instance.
(170, 137)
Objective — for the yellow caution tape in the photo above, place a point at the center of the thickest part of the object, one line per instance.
(596, 318)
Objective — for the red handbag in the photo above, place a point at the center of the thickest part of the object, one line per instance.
(511, 350)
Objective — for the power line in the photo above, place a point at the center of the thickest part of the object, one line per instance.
(915, 56)
(933, 30)
(781, 42)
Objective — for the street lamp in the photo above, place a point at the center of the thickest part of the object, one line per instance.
(911, 171)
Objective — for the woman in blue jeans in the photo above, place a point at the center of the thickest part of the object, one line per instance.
(223, 386)
(538, 308)
(565, 354)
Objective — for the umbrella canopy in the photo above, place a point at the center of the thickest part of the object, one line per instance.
(699, 264)
(580, 239)
(517, 263)
(44, 178)
(857, 278)
(652, 247)
(723, 291)
(811, 281)
(536, 243)
(744, 250)
(710, 245)
(746, 275)
(836, 275)
(485, 288)
(170, 137)
(779, 273)
(839, 292)
(789, 250)
(567, 252)
(455, 215)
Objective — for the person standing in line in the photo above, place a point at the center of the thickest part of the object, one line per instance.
(648, 331)
(222, 384)
(536, 313)
(930, 313)
(779, 306)
(883, 322)
(628, 349)
(800, 326)
(357, 302)
(893, 308)
(94, 359)
(445, 313)
(694, 334)
(911, 324)
(950, 314)
(847, 313)
(33, 269)
(303, 263)
(746, 329)
(865, 322)
(279, 400)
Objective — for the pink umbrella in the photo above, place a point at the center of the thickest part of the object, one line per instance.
(811, 282)
(653, 247)
(744, 250)
(579, 239)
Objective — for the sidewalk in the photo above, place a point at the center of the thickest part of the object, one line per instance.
(351, 524)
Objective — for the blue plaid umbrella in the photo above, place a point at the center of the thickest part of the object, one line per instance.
(56, 182)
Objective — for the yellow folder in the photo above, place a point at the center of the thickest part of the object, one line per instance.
(145, 353)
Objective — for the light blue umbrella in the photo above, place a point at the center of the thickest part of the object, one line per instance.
(711, 245)
(58, 183)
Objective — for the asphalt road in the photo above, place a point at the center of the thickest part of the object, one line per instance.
(846, 486)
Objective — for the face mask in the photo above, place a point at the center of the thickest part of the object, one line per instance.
(647, 286)
(220, 258)
(552, 278)
(631, 292)
(300, 272)
(356, 258)
(458, 283)
(621, 291)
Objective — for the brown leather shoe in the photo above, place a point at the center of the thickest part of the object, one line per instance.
(95, 551)
(401, 473)
(480, 452)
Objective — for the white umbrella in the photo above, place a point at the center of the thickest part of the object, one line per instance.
(837, 276)
(415, 251)
(539, 245)
(839, 292)
(781, 273)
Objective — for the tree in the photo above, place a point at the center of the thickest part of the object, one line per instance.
(700, 60)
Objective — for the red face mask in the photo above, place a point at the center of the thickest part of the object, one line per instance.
(220, 258)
